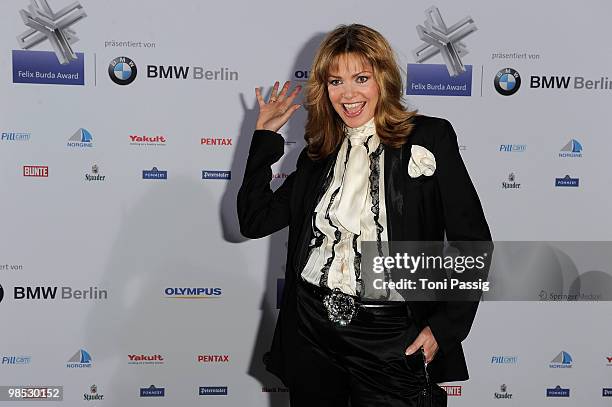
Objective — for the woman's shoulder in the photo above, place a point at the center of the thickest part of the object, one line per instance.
(429, 124)
(436, 134)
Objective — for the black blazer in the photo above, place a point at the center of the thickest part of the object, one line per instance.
(418, 209)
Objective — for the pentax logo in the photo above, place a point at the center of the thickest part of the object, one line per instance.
(36, 171)
(216, 141)
(213, 358)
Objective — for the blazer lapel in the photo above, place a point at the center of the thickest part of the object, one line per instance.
(314, 192)
(394, 193)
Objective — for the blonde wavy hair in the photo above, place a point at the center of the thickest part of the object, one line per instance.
(324, 127)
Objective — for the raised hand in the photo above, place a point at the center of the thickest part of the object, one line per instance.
(276, 112)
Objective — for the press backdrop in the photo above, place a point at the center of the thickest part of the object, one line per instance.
(176, 297)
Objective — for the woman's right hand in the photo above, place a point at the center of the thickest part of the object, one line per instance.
(276, 112)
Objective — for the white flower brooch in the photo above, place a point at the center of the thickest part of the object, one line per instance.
(422, 162)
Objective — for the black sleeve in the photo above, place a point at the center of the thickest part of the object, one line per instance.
(464, 224)
(262, 211)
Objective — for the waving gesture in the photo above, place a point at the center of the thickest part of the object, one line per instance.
(279, 108)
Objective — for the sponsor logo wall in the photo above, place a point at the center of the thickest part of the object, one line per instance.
(123, 140)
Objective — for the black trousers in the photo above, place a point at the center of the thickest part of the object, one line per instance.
(362, 364)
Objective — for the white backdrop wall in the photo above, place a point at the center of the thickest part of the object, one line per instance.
(138, 239)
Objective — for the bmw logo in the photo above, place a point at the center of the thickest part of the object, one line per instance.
(507, 82)
(122, 70)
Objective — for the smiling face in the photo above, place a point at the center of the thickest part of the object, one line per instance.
(352, 90)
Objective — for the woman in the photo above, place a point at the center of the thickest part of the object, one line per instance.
(371, 171)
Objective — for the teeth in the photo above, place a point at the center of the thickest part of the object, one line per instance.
(352, 105)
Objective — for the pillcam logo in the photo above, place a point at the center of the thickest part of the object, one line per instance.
(573, 149)
(93, 394)
(122, 70)
(208, 174)
(567, 181)
(81, 359)
(451, 79)
(213, 358)
(511, 184)
(16, 360)
(454, 391)
(36, 171)
(507, 82)
(62, 66)
(154, 173)
(152, 391)
(558, 392)
(513, 148)
(145, 359)
(81, 138)
(213, 391)
(504, 360)
(192, 293)
(562, 360)
(15, 136)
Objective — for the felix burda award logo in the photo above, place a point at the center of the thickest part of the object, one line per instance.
(452, 78)
(62, 66)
